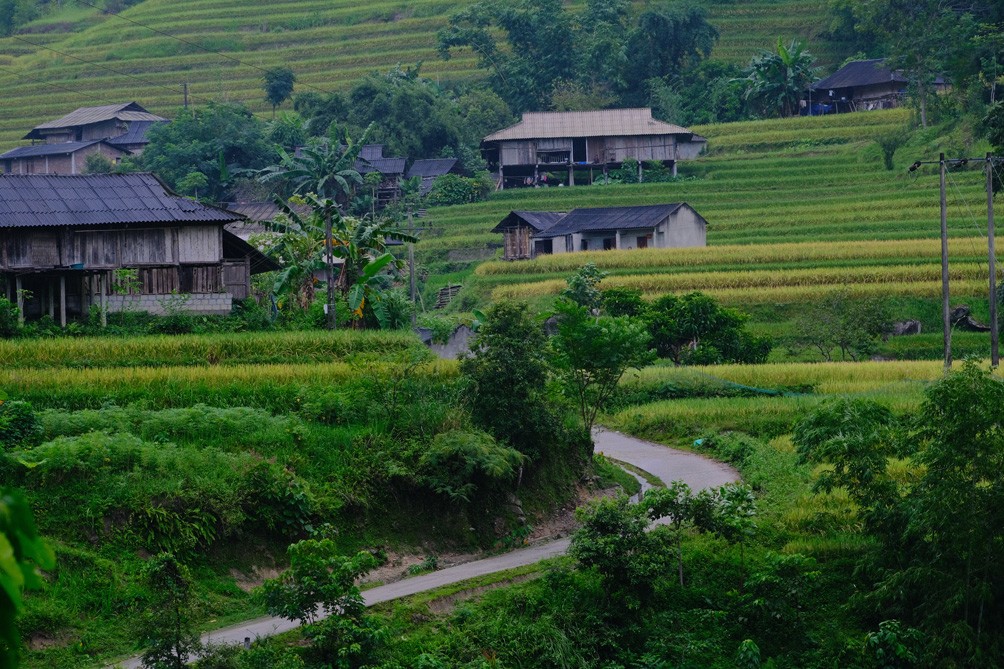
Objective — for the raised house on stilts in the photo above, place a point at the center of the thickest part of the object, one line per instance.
(550, 148)
(118, 242)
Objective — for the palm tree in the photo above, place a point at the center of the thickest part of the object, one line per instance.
(361, 245)
(327, 170)
(776, 81)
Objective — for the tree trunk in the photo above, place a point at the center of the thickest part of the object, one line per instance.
(330, 270)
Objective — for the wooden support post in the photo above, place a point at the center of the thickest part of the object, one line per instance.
(571, 174)
(329, 267)
(674, 169)
(992, 260)
(62, 300)
(20, 300)
(412, 292)
(641, 173)
(102, 301)
(946, 317)
(51, 292)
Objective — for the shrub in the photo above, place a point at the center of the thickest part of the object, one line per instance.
(461, 465)
(19, 426)
(10, 322)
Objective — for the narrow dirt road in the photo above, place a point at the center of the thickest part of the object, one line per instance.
(668, 464)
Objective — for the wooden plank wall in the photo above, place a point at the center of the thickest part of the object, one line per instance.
(109, 249)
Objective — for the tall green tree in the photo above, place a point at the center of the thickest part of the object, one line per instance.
(215, 141)
(168, 624)
(506, 375)
(593, 353)
(278, 83)
(319, 590)
(919, 37)
(667, 39)
(775, 81)
(525, 45)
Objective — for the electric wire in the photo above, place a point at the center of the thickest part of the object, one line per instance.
(192, 44)
(87, 95)
(176, 90)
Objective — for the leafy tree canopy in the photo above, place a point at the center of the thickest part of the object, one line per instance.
(278, 83)
(539, 56)
(215, 140)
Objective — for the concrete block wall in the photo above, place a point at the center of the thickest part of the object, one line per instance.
(212, 304)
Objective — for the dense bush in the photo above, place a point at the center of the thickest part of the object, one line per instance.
(122, 489)
(19, 426)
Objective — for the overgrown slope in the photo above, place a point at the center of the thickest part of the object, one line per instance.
(81, 57)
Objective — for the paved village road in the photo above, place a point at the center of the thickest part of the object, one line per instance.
(668, 464)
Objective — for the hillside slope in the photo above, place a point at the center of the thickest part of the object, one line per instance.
(82, 57)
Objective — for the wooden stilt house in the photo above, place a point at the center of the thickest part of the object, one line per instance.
(119, 242)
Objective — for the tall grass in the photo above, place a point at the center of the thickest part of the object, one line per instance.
(216, 349)
(273, 387)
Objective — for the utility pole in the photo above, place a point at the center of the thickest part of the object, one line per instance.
(946, 318)
(411, 270)
(992, 262)
(329, 247)
(186, 94)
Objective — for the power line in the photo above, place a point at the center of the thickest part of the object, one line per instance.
(191, 43)
(88, 96)
(100, 65)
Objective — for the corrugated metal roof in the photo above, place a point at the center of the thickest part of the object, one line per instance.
(538, 220)
(61, 149)
(136, 134)
(600, 123)
(127, 111)
(381, 165)
(611, 218)
(35, 200)
(431, 168)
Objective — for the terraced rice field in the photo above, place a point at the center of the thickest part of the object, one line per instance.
(897, 385)
(795, 208)
(81, 57)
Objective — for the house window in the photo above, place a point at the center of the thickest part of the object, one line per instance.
(584, 245)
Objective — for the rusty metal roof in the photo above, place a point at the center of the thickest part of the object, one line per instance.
(601, 123)
(61, 149)
(49, 200)
(127, 111)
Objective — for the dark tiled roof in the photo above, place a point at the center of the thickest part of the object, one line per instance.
(611, 218)
(859, 73)
(126, 111)
(97, 199)
(371, 151)
(61, 149)
(136, 134)
(385, 166)
(430, 168)
(538, 220)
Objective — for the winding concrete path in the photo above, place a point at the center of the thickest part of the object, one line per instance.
(669, 464)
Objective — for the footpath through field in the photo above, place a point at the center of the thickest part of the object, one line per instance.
(668, 464)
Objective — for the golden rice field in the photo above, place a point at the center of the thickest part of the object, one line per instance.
(825, 377)
(739, 255)
(897, 385)
(215, 349)
(785, 285)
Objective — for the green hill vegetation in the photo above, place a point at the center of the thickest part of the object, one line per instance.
(80, 56)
